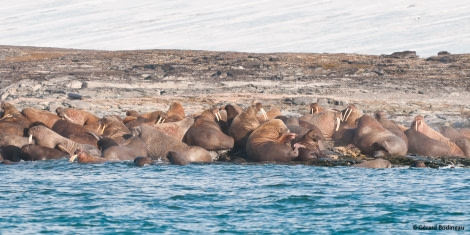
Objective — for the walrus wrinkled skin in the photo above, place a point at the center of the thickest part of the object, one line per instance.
(112, 126)
(33, 152)
(390, 125)
(376, 163)
(346, 131)
(129, 150)
(312, 143)
(42, 116)
(206, 132)
(46, 137)
(271, 142)
(244, 123)
(75, 132)
(176, 129)
(371, 138)
(14, 140)
(12, 121)
(158, 145)
(328, 121)
(423, 140)
(80, 117)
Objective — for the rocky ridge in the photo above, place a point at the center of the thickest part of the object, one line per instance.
(111, 82)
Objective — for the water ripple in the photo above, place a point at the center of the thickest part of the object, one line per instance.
(59, 197)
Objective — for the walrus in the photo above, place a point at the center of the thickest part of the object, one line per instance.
(328, 121)
(80, 117)
(84, 157)
(371, 138)
(142, 161)
(347, 128)
(390, 125)
(232, 111)
(33, 152)
(158, 145)
(38, 115)
(75, 132)
(11, 153)
(176, 129)
(175, 112)
(271, 141)
(315, 108)
(423, 146)
(206, 132)
(148, 119)
(15, 140)
(418, 164)
(449, 132)
(313, 145)
(176, 159)
(12, 121)
(46, 137)
(269, 115)
(112, 126)
(376, 163)
(244, 123)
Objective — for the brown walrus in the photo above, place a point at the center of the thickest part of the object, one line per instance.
(207, 133)
(80, 117)
(313, 145)
(345, 133)
(328, 121)
(112, 126)
(75, 132)
(12, 121)
(271, 141)
(42, 116)
(175, 112)
(371, 138)
(244, 123)
(390, 125)
(423, 140)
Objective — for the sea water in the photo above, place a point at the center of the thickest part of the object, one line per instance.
(59, 197)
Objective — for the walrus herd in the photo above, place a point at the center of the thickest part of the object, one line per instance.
(249, 134)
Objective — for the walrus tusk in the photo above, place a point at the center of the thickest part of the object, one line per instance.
(102, 130)
(67, 118)
(264, 114)
(73, 157)
(347, 114)
(30, 139)
(6, 116)
(311, 111)
(217, 116)
(338, 121)
(159, 120)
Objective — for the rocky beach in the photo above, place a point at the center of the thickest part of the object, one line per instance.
(112, 82)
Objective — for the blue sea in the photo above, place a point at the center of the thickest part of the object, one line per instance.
(59, 197)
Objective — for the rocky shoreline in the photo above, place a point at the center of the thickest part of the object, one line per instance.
(111, 82)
